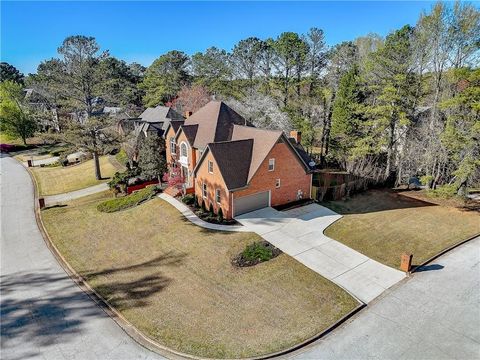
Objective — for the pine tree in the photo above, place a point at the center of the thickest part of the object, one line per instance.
(346, 115)
(151, 162)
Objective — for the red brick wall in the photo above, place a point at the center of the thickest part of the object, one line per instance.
(213, 181)
(288, 169)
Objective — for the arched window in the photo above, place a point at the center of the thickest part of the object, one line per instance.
(183, 150)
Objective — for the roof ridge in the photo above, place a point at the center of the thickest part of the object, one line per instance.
(230, 141)
(259, 129)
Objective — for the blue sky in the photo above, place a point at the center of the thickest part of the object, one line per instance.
(141, 31)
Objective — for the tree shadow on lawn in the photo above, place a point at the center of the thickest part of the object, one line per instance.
(375, 200)
(47, 308)
(124, 294)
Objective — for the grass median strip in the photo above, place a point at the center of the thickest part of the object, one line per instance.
(176, 283)
(384, 224)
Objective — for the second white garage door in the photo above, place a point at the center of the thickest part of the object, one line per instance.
(251, 202)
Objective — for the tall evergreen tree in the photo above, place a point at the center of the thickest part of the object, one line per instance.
(150, 161)
(165, 77)
(347, 114)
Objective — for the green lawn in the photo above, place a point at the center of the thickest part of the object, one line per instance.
(57, 180)
(175, 281)
(384, 224)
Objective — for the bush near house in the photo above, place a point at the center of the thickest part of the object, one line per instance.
(188, 199)
(128, 201)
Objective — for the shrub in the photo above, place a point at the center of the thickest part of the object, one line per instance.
(196, 202)
(257, 251)
(210, 210)
(128, 201)
(204, 207)
(426, 180)
(220, 215)
(444, 191)
(122, 157)
(188, 199)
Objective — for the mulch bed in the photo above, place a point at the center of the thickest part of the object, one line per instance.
(241, 261)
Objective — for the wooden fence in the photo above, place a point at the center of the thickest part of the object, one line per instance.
(331, 185)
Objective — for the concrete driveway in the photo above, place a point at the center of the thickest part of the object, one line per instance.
(44, 315)
(299, 233)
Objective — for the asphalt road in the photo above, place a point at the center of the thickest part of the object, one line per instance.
(434, 315)
(44, 315)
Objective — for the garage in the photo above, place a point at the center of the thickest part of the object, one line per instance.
(249, 203)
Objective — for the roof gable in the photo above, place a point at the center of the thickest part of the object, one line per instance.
(263, 142)
(233, 160)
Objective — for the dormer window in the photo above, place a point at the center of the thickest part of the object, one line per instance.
(183, 150)
(210, 167)
(271, 164)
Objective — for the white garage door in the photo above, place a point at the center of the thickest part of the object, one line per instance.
(251, 202)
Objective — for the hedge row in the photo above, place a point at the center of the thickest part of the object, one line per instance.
(128, 201)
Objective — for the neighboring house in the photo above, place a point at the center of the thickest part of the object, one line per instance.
(235, 167)
(153, 120)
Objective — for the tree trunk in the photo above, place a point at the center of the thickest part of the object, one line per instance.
(96, 161)
(24, 140)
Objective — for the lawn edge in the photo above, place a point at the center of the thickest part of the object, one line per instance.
(133, 331)
(440, 253)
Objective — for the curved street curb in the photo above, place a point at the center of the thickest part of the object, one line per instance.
(130, 329)
(443, 252)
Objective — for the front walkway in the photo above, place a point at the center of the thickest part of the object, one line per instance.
(434, 315)
(185, 210)
(299, 233)
(62, 198)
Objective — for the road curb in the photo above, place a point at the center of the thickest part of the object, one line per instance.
(443, 252)
(130, 329)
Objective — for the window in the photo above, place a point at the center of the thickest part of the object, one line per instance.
(271, 164)
(173, 146)
(183, 150)
(210, 167)
(204, 190)
(217, 196)
(277, 183)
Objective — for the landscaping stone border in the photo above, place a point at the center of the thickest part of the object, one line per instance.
(129, 328)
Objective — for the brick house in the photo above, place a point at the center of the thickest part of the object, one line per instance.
(235, 167)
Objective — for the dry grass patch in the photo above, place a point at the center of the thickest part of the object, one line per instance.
(384, 224)
(58, 180)
(176, 283)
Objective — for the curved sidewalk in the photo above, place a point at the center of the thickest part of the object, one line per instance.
(44, 314)
(185, 210)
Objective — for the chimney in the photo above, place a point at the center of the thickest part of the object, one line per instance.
(187, 114)
(297, 135)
